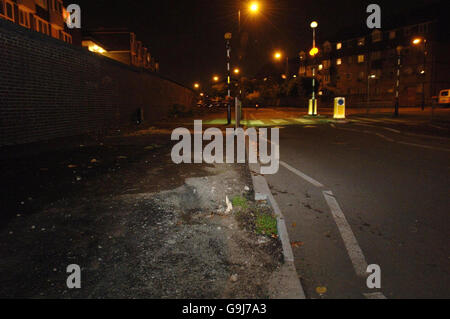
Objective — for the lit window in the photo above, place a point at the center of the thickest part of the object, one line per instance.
(339, 46)
(320, 66)
(361, 58)
(338, 61)
(361, 42)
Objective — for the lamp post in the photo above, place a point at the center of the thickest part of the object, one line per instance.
(418, 41)
(313, 103)
(397, 83)
(371, 76)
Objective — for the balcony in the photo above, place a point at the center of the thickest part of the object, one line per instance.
(30, 4)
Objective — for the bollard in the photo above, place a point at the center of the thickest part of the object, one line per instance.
(339, 108)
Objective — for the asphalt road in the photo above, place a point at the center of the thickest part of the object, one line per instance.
(390, 179)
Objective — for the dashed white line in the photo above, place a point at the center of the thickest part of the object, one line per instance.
(302, 175)
(351, 244)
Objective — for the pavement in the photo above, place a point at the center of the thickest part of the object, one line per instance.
(138, 225)
(372, 189)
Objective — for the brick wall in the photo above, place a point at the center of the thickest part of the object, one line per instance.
(50, 89)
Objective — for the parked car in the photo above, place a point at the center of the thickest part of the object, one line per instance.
(444, 97)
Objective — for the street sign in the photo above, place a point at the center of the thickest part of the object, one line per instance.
(339, 108)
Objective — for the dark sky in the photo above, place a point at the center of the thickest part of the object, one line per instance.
(186, 36)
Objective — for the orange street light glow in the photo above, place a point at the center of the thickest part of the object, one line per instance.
(254, 7)
(237, 71)
(196, 85)
(417, 41)
(216, 78)
(314, 24)
(313, 51)
(277, 55)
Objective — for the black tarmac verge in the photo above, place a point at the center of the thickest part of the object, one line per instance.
(138, 225)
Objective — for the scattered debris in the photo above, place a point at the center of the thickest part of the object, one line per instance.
(297, 244)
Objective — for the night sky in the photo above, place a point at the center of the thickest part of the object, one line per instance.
(187, 36)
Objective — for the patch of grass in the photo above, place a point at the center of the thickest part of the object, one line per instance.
(239, 201)
(266, 224)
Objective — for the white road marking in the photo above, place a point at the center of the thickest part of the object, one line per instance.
(426, 146)
(375, 295)
(350, 242)
(302, 175)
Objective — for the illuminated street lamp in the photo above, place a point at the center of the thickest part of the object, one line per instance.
(277, 55)
(215, 78)
(196, 85)
(253, 7)
(236, 71)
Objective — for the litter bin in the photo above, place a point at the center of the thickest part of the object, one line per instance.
(339, 108)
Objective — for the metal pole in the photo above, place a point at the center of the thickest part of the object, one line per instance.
(397, 86)
(229, 81)
(424, 73)
(368, 94)
(314, 111)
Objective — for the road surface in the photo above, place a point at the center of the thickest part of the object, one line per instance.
(373, 190)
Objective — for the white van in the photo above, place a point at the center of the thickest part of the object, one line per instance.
(444, 97)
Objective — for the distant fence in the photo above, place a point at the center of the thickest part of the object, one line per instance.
(50, 89)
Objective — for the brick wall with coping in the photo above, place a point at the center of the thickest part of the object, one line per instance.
(50, 89)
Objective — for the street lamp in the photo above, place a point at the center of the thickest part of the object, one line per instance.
(254, 7)
(416, 42)
(314, 51)
(236, 71)
(215, 78)
(196, 85)
(277, 55)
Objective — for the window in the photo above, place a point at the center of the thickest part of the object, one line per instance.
(58, 6)
(348, 76)
(361, 42)
(392, 35)
(42, 26)
(302, 70)
(320, 67)
(339, 46)
(361, 58)
(24, 19)
(377, 36)
(361, 75)
(327, 47)
(9, 11)
(350, 59)
(2, 7)
(326, 64)
(338, 61)
(376, 55)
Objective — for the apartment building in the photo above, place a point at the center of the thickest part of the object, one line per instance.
(120, 45)
(363, 68)
(44, 16)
